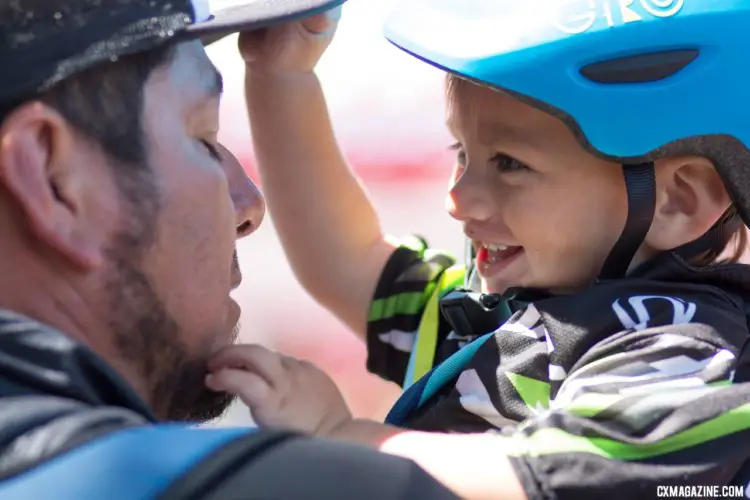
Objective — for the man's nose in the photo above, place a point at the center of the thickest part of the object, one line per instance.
(250, 207)
(249, 204)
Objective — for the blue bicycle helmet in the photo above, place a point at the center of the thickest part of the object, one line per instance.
(635, 80)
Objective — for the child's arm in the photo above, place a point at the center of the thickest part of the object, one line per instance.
(639, 412)
(474, 466)
(327, 225)
(288, 393)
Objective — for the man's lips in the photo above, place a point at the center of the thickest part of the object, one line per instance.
(235, 311)
(236, 272)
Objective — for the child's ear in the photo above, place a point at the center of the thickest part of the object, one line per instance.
(690, 198)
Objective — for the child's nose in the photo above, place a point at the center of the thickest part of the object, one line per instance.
(469, 198)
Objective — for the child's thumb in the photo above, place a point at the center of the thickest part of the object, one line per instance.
(324, 23)
(251, 43)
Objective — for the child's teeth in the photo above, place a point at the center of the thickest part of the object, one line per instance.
(497, 248)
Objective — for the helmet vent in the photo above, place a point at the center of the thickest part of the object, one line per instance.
(641, 68)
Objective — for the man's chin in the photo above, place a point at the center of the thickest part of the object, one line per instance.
(207, 407)
(213, 405)
(182, 396)
(235, 333)
(212, 408)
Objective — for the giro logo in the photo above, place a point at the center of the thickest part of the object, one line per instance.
(682, 311)
(578, 16)
(662, 8)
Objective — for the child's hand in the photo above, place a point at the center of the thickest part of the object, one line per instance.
(280, 391)
(295, 47)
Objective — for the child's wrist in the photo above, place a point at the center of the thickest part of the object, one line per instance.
(361, 431)
(274, 75)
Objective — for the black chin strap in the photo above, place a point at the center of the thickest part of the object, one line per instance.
(640, 183)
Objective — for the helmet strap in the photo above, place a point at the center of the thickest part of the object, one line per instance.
(640, 182)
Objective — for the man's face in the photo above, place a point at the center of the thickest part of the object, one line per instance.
(172, 262)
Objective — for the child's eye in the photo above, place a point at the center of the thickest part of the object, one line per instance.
(460, 154)
(505, 163)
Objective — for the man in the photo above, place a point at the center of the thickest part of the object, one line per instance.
(118, 220)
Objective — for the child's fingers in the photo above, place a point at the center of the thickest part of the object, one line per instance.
(252, 389)
(253, 358)
(251, 43)
(324, 23)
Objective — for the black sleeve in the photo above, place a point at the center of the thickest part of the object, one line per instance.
(401, 310)
(36, 429)
(284, 466)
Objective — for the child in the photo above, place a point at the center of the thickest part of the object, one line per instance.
(599, 178)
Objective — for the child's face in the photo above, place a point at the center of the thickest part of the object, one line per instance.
(523, 181)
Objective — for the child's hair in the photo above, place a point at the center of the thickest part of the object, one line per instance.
(732, 240)
(731, 243)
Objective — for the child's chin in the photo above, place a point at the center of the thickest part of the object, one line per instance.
(495, 286)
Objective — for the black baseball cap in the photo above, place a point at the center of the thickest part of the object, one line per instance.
(43, 42)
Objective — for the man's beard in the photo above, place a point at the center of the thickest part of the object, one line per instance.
(148, 336)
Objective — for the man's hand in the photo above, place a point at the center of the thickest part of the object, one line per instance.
(289, 48)
(280, 391)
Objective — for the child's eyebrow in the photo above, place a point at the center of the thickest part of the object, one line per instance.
(449, 125)
(492, 133)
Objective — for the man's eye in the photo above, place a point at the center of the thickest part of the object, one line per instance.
(212, 150)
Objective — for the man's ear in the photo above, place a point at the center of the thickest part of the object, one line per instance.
(690, 198)
(41, 173)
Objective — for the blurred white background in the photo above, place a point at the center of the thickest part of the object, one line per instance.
(387, 109)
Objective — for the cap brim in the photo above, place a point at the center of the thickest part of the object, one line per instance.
(256, 14)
